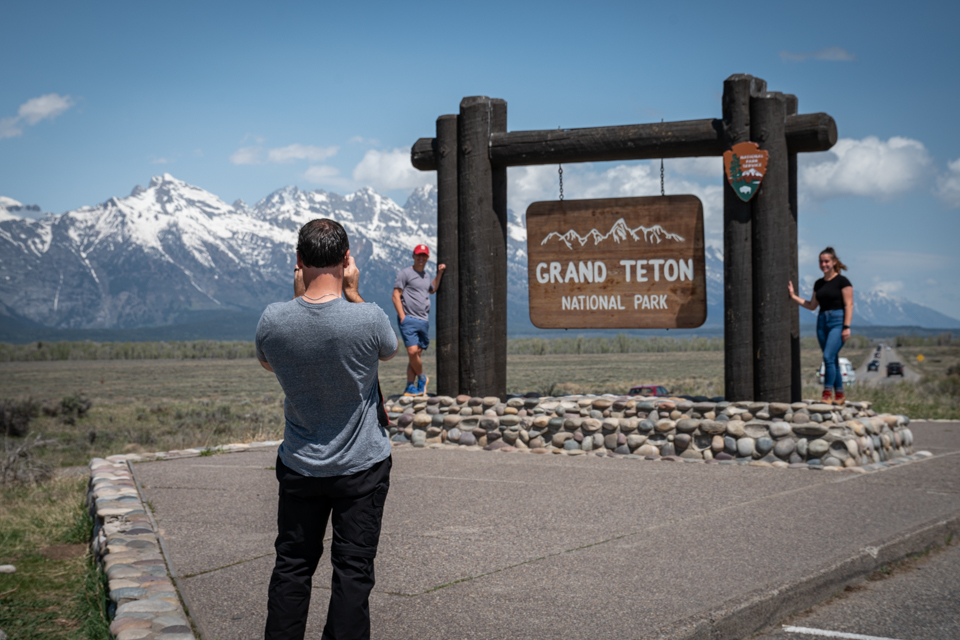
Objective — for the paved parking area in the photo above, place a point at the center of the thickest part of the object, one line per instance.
(493, 545)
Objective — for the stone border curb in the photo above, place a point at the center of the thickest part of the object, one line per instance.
(145, 601)
(755, 612)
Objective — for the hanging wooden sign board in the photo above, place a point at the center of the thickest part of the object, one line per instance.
(618, 263)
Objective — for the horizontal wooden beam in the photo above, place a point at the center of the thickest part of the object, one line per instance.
(628, 142)
(686, 139)
(810, 132)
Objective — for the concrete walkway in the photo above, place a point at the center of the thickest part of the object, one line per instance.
(494, 545)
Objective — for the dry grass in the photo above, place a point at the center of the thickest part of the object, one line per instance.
(160, 405)
(936, 360)
(51, 595)
(699, 373)
(19, 465)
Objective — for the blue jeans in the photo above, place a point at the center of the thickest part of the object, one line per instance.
(829, 330)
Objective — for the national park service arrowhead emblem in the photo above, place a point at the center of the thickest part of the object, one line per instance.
(745, 166)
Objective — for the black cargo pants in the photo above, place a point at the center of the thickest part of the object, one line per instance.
(306, 503)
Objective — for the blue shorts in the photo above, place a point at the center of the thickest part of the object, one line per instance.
(414, 332)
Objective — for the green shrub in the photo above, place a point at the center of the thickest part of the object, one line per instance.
(74, 406)
(15, 416)
(88, 350)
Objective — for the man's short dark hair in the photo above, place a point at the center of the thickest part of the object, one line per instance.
(322, 243)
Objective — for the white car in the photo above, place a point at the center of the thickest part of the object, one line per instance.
(846, 370)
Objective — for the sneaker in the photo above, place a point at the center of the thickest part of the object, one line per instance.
(839, 398)
(827, 397)
(422, 383)
(411, 390)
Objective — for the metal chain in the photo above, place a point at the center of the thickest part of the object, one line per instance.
(662, 191)
(560, 171)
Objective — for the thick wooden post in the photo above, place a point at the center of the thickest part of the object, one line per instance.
(796, 376)
(737, 253)
(498, 124)
(448, 250)
(483, 253)
(771, 253)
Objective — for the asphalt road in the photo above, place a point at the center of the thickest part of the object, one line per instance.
(917, 599)
(879, 377)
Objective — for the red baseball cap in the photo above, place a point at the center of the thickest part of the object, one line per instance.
(421, 248)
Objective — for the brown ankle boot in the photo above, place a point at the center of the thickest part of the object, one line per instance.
(839, 398)
(827, 397)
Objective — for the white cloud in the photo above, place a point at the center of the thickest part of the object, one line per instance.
(320, 173)
(34, 110)
(246, 155)
(327, 175)
(889, 287)
(385, 170)
(807, 254)
(709, 167)
(282, 155)
(582, 181)
(9, 128)
(301, 152)
(161, 161)
(948, 185)
(830, 54)
(254, 137)
(868, 167)
(49, 106)
(361, 140)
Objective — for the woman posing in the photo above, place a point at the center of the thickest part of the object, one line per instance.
(833, 293)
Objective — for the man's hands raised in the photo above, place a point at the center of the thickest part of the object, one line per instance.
(351, 280)
(298, 287)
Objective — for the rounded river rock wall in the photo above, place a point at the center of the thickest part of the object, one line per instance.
(807, 434)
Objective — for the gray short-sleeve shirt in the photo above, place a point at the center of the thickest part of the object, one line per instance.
(415, 287)
(326, 358)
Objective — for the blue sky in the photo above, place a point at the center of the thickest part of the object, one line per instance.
(243, 98)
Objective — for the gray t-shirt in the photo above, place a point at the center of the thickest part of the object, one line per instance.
(326, 358)
(416, 288)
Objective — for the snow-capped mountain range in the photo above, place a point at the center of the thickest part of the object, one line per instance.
(172, 253)
(619, 232)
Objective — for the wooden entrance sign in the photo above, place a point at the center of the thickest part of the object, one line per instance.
(617, 263)
(759, 238)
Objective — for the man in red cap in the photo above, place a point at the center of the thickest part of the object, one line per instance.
(411, 297)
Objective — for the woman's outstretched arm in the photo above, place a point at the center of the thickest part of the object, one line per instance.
(811, 304)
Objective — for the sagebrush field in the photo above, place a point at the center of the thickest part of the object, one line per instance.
(141, 401)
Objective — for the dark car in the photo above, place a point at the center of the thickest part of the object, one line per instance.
(649, 390)
(874, 365)
(894, 369)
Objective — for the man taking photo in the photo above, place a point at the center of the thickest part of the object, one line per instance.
(411, 298)
(325, 346)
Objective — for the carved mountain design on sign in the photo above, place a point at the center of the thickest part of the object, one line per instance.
(619, 232)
